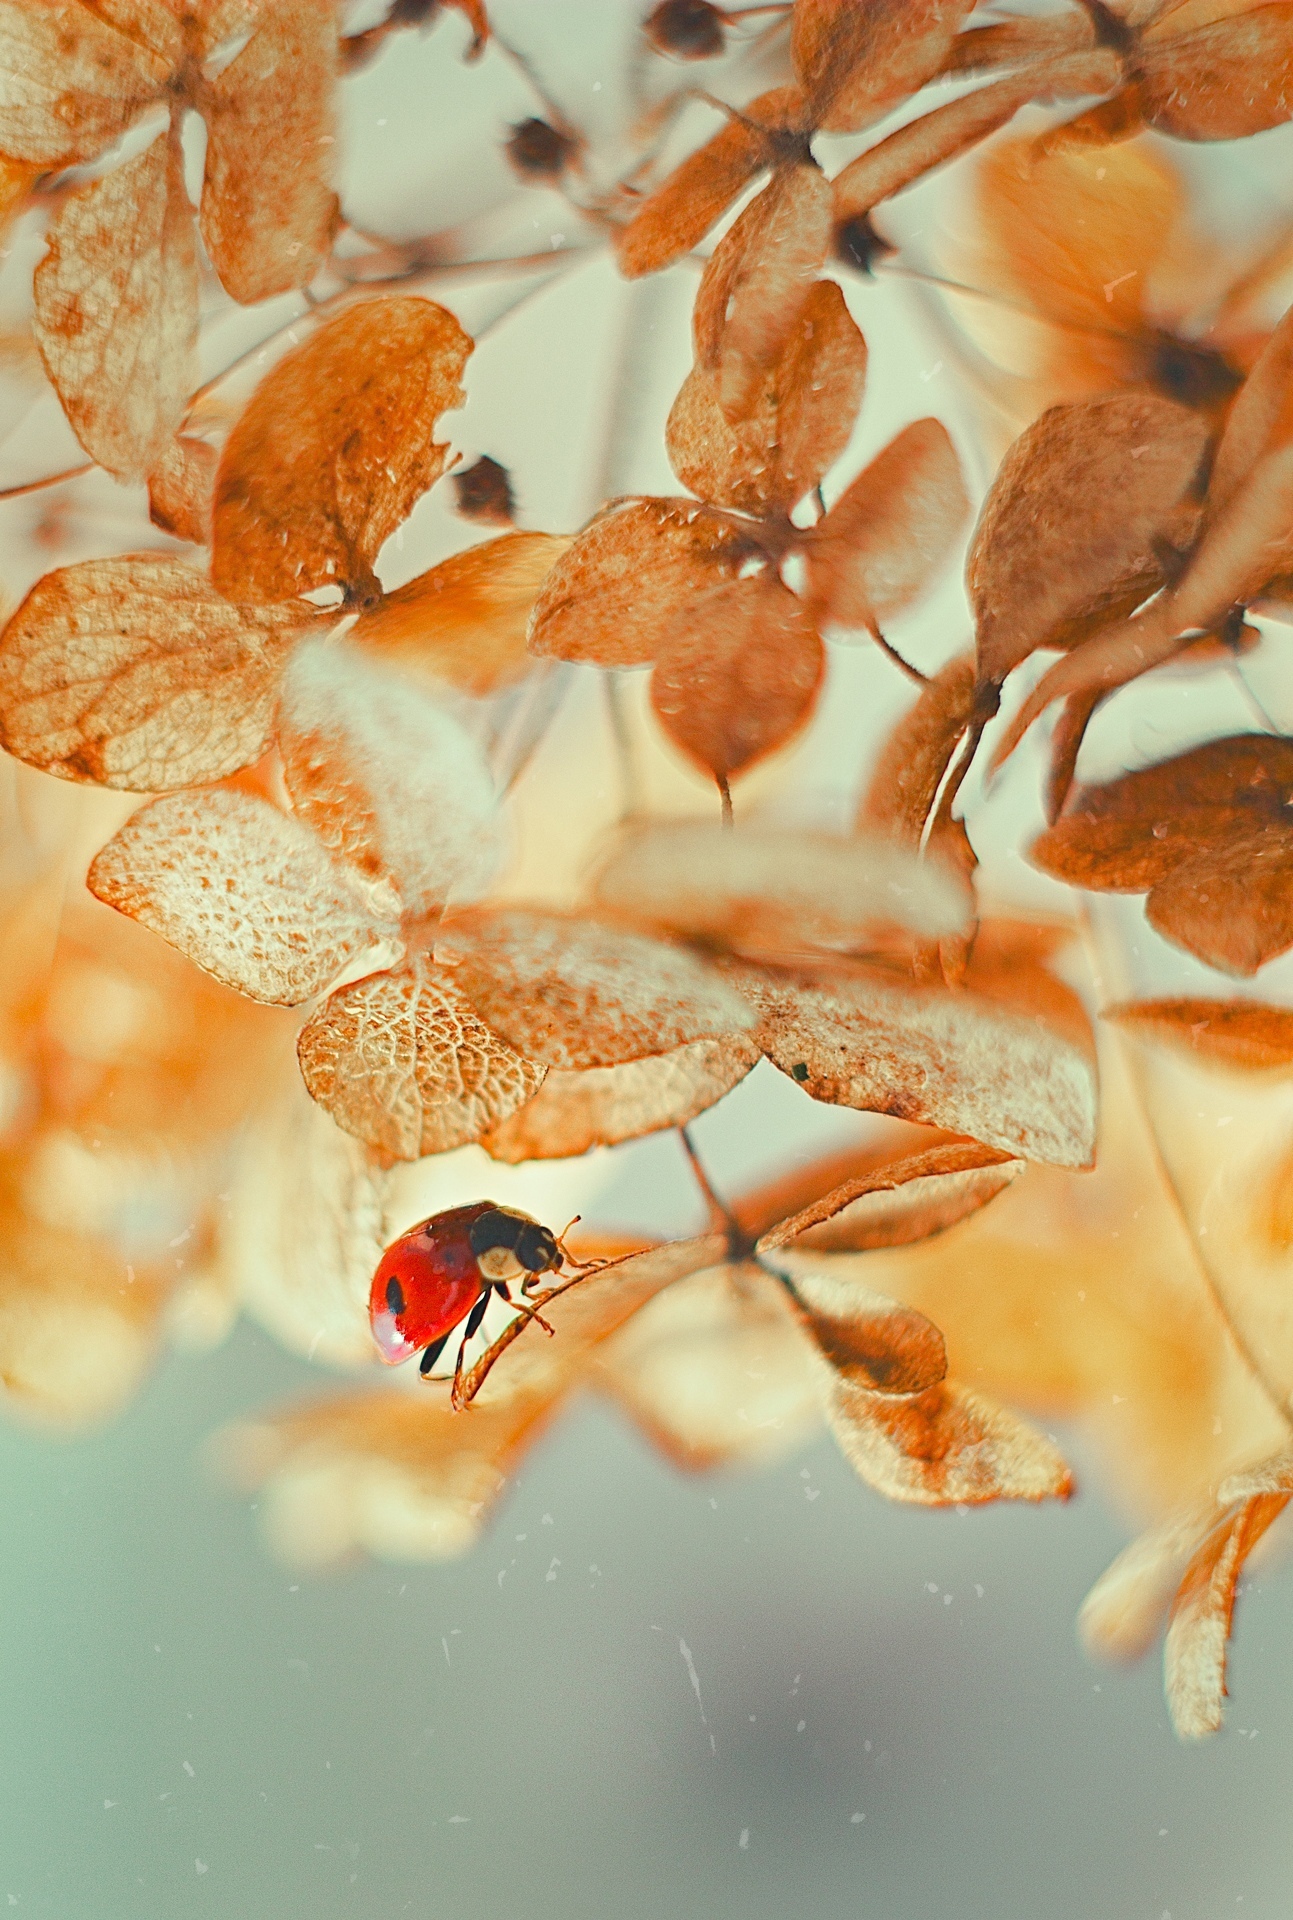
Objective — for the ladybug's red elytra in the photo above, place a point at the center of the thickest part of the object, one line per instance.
(443, 1271)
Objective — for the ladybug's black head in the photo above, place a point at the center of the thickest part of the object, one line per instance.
(534, 1247)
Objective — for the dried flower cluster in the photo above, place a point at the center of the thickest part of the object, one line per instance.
(345, 804)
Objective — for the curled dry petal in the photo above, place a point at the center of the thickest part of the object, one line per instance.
(945, 1059)
(610, 599)
(1261, 419)
(698, 192)
(890, 530)
(867, 1340)
(135, 673)
(1223, 80)
(116, 307)
(1070, 524)
(71, 80)
(738, 673)
(602, 1105)
(943, 1447)
(333, 449)
(856, 62)
(1121, 1616)
(403, 1062)
(1194, 1658)
(911, 1199)
(267, 210)
(773, 888)
(384, 778)
(181, 490)
(465, 621)
(1273, 1475)
(244, 891)
(918, 752)
(1242, 1034)
(575, 994)
(773, 279)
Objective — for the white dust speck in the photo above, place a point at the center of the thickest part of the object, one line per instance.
(947, 1599)
(694, 1677)
(445, 1644)
(552, 1570)
(744, 1841)
(857, 1819)
(201, 1865)
(459, 1819)
(801, 1726)
(978, 1589)
(189, 1770)
(931, 1586)
(107, 1804)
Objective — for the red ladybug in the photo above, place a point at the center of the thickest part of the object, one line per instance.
(443, 1271)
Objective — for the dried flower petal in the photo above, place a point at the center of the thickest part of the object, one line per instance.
(384, 778)
(1261, 419)
(865, 1339)
(945, 1059)
(403, 1062)
(71, 80)
(575, 994)
(918, 752)
(732, 463)
(902, 1201)
(244, 891)
(738, 673)
(465, 621)
(1194, 1657)
(857, 62)
(775, 273)
(116, 302)
(820, 378)
(943, 1447)
(181, 490)
(333, 449)
(1222, 80)
(1241, 1034)
(602, 1105)
(135, 673)
(1122, 1614)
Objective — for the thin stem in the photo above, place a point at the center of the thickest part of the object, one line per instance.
(721, 1215)
(912, 673)
(50, 480)
(725, 799)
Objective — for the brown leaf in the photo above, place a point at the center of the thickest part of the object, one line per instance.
(1223, 80)
(944, 1447)
(247, 893)
(945, 1059)
(857, 62)
(74, 79)
(774, 888)
(738, 673)
(1242, 1034)
(610, 598)
(905, 1200)
(403, 1062)
(576, 994)
(820, 379)
(134, 673)
(267, 210)
(465, 621)
(116, 309)
(699, 191)
(917, 754)
(386, 780)
(333, 449)
(1195, 1654)
(888, 533)
(1121, 1616)
(865, 1339)
(181, 490)
(1070, 524)
(602, 1105)
(771, 282)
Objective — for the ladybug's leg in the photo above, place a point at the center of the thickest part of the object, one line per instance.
(474, 1319)
(432, 1354)
(523, 1306)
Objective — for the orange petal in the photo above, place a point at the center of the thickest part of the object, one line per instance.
(1261, 419)
(882, 541)
(1195, 1654)
(857, 62)
(1223, 80)
(1236, 1033)
(247, 893)
(918, 752)
(116, 308)
(268, 211)
(1122, 1614)
(819, 381)
(903, 1201)
(947, 1446)
(772, 281)
(465, 621)
(576, 994)
(738, 673)
(181, 490)
(134, 673)
(866, 1340)
(333, 449)
(602, 1105)
(1232, 904)
(74, 80)
(733, 463)
(402, 1061)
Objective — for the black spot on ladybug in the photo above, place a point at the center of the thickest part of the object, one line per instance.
(394, 1295)
(799, 1071)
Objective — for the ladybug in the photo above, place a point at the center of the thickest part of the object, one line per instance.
(443, 1271)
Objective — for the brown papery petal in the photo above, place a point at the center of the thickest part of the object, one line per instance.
(889, 532)
(1261, 418)
(576, 994)
(116, 308)
(918, 752)
(738, 673)
(575, 1111)
(267, 209)
(134, 673)
(1124, 1610)
(1072, 517)
(772, 282)
(1232, 904)
(1242, 1034)
(613, 596)
(247, 893)
(867, 1340)
(857, 61)
(713, 295)
(941, 1058)
(1225, 80)
(945, 1447)
(733, 463)
(384, 777)
(1194, 1658)
(333, 449)
(819, 380)
(774, 888)
(402, 1061)
(907, 1200)
(465, 621)
(698, 192)
(181, 490)
(72, 81)
(1248, 544)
